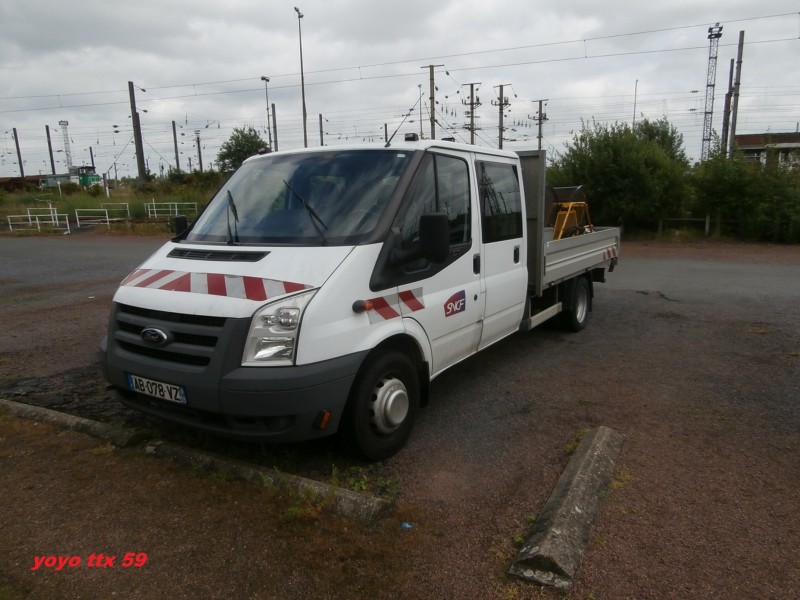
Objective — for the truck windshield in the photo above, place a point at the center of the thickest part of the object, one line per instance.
(320, 198)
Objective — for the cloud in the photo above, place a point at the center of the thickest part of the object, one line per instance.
(364, 62)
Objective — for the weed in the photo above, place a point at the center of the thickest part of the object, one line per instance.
(304, 506)
(509, 592)
(573, 445)
(621, 479)
(267, 482)
(103, 450)
(357, 479)
(367, 480)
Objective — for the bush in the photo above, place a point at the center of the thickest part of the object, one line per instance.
(68, 189)
(635, 175)
(762, 202)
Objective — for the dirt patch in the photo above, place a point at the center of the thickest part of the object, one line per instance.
(714, 250)
(68, 495)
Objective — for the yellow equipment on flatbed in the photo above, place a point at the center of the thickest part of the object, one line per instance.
(569, 212)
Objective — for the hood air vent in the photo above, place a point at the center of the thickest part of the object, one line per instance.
(219, 255)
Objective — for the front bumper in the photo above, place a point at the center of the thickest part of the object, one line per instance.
(279, 404)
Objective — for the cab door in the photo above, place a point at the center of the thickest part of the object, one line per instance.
(503, 249)
(445, 299)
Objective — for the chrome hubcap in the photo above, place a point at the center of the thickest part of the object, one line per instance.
(389, 405)
(582, 305)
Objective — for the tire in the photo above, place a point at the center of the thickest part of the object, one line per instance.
(576, 315)
(383, 406)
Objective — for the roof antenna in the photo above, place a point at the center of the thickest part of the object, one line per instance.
(410, 110)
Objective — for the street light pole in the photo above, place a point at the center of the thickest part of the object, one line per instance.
(302, 77)
(265, 79)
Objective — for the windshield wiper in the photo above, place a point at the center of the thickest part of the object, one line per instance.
(233, 238)
(312, 214)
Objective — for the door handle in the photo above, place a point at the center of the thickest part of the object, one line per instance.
(476, 263)
(516, 254)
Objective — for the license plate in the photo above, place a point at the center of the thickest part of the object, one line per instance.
(157, 389)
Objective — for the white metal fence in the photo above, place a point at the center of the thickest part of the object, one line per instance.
(105, 215)
(162, 210)
(49, 219)
(38, 219)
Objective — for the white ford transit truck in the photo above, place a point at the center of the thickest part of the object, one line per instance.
(321, 290)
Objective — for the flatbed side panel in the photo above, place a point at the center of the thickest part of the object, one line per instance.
(571, 256)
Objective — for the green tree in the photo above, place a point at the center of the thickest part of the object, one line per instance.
(243, 143)
(724, 187)
(664, 135)
(757, 202)
(637, 175)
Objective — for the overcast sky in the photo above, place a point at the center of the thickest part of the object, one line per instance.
(365, 64)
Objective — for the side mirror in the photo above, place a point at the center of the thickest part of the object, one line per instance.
(434, 237)
(433, 244)
(180, 224)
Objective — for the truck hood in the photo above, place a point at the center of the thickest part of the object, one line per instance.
(226, 281)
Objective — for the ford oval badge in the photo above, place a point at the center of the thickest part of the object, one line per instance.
(155, 336)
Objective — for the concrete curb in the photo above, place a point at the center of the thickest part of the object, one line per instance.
(116, 435)
(340, 501)
(553, 551)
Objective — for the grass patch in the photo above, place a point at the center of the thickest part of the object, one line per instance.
(366, 479)
(103, 450)
(304, 507)
(572, 446)
(621, 480)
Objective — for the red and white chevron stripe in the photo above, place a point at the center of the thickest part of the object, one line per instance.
(610, 253)
(216, 284)
(394, 305)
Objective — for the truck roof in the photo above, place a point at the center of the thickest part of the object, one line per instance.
(401, 144)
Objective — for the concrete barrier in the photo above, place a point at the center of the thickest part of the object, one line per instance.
(553, 551)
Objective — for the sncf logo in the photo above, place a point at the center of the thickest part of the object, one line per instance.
(455, 304)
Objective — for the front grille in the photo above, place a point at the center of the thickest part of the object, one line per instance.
(172, 317)
(173, 357)
(179, 336)
(193, 337)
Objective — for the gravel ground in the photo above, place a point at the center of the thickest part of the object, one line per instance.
(703, 505)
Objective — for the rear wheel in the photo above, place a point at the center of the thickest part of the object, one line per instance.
(575, 316)
(383, 405)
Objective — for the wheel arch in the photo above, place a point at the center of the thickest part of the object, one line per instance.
(409, 346)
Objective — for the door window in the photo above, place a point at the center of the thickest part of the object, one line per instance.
(441, 185)
(501, 202)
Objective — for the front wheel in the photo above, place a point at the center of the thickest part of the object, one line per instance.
(383, 405)
(576, 315)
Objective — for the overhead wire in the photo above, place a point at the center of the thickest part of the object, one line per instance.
(378, 113)
(416, 60)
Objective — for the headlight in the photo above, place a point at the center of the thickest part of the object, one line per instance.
(272, 339)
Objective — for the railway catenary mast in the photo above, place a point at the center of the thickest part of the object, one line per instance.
(67, 151)
(714, 33)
